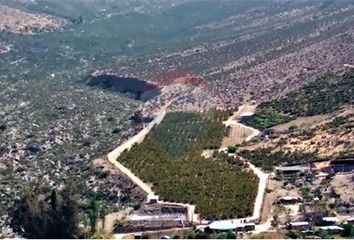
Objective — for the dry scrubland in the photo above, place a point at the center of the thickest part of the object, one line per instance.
(21, 22)
(54, 125)
(332, 138)
(323, 116)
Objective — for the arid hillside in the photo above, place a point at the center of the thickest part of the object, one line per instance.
(22, 22)
(330, 138)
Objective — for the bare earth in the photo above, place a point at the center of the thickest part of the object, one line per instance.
(21, 22)
(344, 185)
(303, 122)
(270, 207)
(318, 137)
(238, 134)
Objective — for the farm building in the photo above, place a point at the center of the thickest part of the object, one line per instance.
(350, 220)
(330, 221)
(148, 225)
(343, 165)
(291, 170)
(230, 225)
(226, 225)
(301, 226)
(334, 229)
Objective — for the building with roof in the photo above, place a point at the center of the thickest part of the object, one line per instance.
(225, 225)
(231, 225)
(331, 228)
(350, 220)
(152, 199)
(330, 221)
(343, 165)
(290, 170)
(301, 226)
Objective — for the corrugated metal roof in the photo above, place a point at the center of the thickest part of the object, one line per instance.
(299, 223)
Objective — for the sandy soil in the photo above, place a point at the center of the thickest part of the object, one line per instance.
(238, 134)
(321, 138)
(303, 122)
(270, 207)
(344, 185)
(271, 235)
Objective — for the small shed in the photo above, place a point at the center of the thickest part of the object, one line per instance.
(152, 199)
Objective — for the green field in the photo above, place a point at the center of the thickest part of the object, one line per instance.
(170, 159)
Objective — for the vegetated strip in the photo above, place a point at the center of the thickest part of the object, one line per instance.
(325, 95)
(170, 158)
(266, 159)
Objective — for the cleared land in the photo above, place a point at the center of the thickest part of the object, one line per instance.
(302, 122)
(343, 184)
(170, 158)
(237, 135)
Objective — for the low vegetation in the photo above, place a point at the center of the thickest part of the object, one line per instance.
(325, 95)
(170, 158)
(267, 159)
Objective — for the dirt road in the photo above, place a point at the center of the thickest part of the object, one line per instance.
(263, 177)
(138, 138)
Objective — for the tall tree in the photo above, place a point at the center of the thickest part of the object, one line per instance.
(38, 216)
(27, 217)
